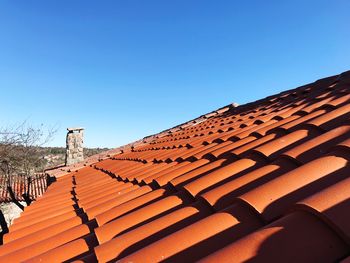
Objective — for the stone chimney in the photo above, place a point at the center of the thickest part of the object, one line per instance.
(74, 146)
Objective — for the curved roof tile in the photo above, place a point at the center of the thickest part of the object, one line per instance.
(265, 181)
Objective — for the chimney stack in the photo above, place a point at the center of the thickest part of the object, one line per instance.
(74, 145)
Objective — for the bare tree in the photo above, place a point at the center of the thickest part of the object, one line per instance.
(21, 156)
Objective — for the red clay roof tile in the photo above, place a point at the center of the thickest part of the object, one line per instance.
(298, 237)
(265, 181)
(151, 232)
(200, 238)
(332, 203)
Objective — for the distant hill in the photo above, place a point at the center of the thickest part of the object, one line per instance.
(55, 156)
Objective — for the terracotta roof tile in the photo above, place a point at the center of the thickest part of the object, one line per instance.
(330, 203)
(225, 194)
(298, 237)
(201, 238)
(265, 181)
(19, 184)
(148, 233)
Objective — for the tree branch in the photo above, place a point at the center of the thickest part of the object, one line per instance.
(13, 198)
(4, 227)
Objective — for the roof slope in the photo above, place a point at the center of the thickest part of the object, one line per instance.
(19, 185)
(262, 182)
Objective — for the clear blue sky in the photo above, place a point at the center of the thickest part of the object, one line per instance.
(127, 69)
